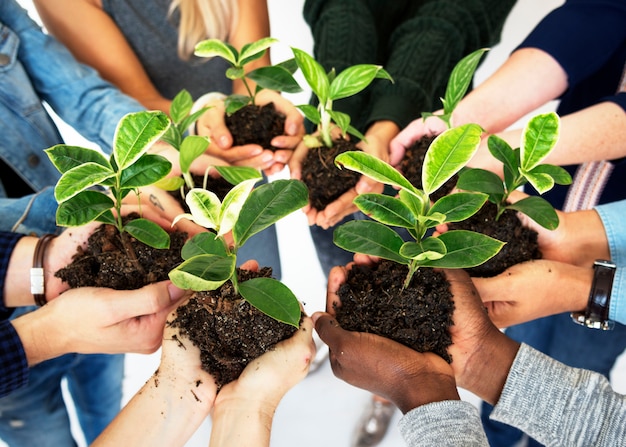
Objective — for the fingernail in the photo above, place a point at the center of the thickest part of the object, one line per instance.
(175, 292)
(223, 141)
(292, 129)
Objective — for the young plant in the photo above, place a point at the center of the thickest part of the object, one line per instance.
(460, 79)
(329, 87)
(189, 147)
(210, 260)
(412, 209)
(87, 175)
(521, 166)
(276, 77)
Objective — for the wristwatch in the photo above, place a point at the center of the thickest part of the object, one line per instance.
(596, 316)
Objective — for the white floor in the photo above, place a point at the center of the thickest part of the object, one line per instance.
(323, 410)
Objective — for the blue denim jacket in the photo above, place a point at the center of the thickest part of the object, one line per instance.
(612, 215)
(35, 68)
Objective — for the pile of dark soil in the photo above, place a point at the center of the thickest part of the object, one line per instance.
(254, 124)
(325, 181)
(521, 242)
(372, 300)
(105, 262)
(229, 332)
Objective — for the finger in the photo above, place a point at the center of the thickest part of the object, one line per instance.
(336, 277)
(148, 300)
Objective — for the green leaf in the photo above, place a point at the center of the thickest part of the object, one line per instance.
(385, 209)
(311, 113)
(188, 121)
(539, 137)
(430, 248)
(448, 153)
(560, 175)
(205, 243)
(268, 204)
(173, 137)
(417, 203)
(203, 272)
(135, 133)
(205, 207)
(237, 174)
(190, 149)
(509, 158)
(273, 298)
(352, 80)
(181, 106)
(232, 206)
(215, 47)
(275, 78)
(481, 180)
(145, 171)
(148, 232)
(374, 168)
(234, 73)
(169, 183)
(539, 210)
(83, 208)
(255, 50)
(314, 74)
(236, 102)
(370, 238)
(458, 206)
(460, 79)
(79, 179)
(541, 182)
(466, 249)
(341, 119)
(65, 157)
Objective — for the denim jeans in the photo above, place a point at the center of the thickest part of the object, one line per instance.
(562, 339)
(37, 416)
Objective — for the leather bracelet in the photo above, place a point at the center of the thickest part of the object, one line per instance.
(37, 281)
(596, 316)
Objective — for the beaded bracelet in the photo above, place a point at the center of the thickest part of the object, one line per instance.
(37, 283)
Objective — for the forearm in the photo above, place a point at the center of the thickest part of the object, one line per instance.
(546, 399)
(537, 79)
(248, 423)
(17, 280)
(165, 412)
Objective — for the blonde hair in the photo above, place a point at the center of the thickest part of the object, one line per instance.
(203, 19)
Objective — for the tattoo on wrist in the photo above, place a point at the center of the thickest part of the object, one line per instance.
(156, 202)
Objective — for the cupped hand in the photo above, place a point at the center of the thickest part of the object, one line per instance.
(534, 289)
(268, 378)
(416, 129)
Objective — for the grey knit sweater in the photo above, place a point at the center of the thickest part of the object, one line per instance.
(553, 403)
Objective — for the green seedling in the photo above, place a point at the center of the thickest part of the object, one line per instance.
(210, 260)
(329, 87)
(189, 147)
(412, 209)
(276, 77)
(458, 83)
(92, 186)
(522, 166)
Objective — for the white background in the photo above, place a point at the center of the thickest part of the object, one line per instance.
(322, 410)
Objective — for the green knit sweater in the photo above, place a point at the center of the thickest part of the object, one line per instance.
(417, 41)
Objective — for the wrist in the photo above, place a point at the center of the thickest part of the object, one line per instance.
(486, 370)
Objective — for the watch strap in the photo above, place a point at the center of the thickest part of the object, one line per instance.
(597, 313)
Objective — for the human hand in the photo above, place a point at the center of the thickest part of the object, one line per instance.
(212, 124)
(380, 365)
(294, 129)
(244, 408)
(534, 289)
(98, 320)
(481, 354)
(410, 134)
